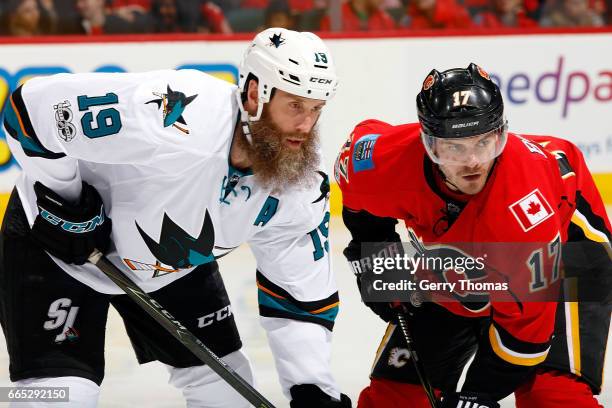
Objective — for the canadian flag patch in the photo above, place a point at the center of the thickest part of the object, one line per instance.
(531, 210)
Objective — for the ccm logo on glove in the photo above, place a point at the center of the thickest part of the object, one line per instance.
(71, 231)
(78, 227)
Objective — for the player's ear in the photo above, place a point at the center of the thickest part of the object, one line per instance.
(252, 96)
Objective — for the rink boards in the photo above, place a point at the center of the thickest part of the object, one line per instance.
(552, 83)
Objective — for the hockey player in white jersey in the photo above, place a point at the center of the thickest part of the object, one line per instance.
(187, 167)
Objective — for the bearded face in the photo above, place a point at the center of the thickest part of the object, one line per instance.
(282, 159)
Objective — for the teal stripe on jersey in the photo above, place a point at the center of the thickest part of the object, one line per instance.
(288, 307)
(27, 143)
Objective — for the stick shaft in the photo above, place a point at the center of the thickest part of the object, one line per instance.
(418, 366)
(180, 332)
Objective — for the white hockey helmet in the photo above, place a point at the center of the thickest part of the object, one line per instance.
(295, 62)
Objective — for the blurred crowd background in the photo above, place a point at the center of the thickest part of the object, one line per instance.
(95, 17)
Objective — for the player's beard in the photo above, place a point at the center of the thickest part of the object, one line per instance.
(275, 165)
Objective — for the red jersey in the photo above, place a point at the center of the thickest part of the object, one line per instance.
(385, 171)
(145, 4)
(581, 327)
(447, 14)
(377, 21)
(214, 16)
(490, 19)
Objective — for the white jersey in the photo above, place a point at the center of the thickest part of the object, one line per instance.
(156, 147)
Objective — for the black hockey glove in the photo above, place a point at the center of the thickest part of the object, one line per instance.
(361, 264)
(384, 310)
(467, 399)
(310, 396)
(372, 237)
(71, 231)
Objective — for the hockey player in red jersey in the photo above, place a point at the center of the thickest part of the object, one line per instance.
(458, 176)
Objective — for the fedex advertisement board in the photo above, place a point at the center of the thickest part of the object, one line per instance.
(556, 84)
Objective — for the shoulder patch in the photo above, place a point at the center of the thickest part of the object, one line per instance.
(531, 210)
(363, 152)
(173, 104)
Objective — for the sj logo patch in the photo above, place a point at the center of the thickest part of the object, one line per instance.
(531, 210)
(62, 312)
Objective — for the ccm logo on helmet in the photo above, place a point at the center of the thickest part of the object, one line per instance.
(321, 80)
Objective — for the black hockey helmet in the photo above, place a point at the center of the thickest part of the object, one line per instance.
(460, 103)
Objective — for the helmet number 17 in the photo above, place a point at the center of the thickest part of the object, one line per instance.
(460, 98)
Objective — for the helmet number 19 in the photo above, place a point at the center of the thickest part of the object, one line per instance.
(320, 57)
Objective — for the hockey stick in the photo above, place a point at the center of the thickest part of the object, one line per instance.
(418, 366)
(180, 332)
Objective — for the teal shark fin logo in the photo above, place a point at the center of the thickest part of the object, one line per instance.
(179, 249)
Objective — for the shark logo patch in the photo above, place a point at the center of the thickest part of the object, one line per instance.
(179, 249)
(173, 104)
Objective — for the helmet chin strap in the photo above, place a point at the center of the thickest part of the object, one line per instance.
(447, 181)
(245, 119)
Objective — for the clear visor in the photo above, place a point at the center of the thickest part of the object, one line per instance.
(466, 151)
